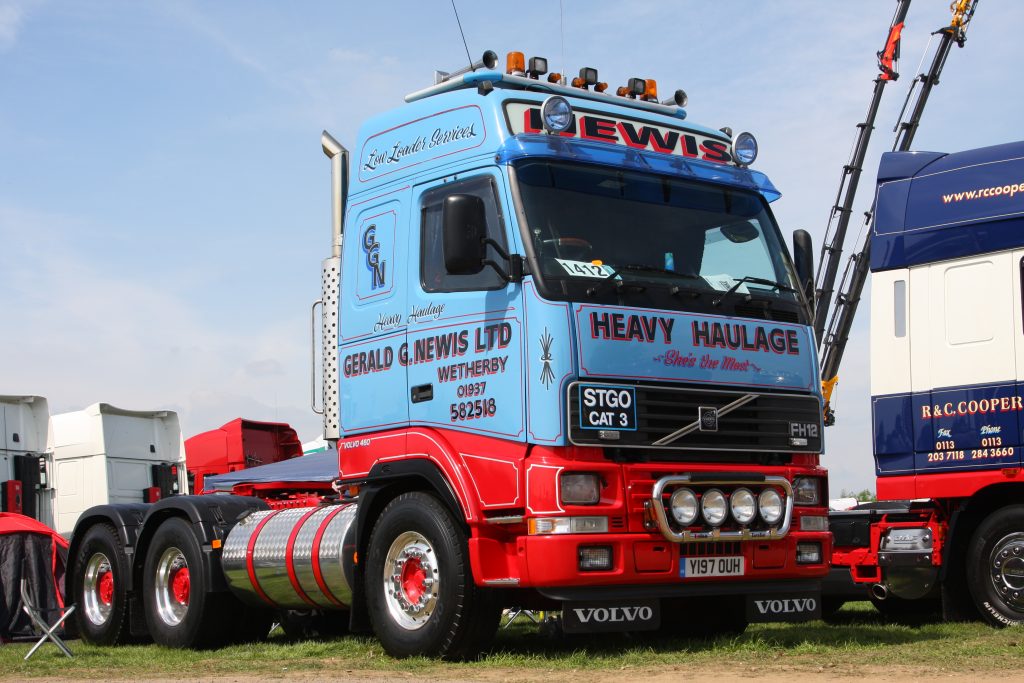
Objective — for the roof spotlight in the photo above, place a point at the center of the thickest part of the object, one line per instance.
(556, 114)
(744, 149)
(538, 67)
(636, 87)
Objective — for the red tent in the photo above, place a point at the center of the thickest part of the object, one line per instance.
(32, 550)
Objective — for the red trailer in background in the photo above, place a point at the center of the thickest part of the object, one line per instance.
(238, 445)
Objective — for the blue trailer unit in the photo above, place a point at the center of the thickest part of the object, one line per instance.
(944, 256)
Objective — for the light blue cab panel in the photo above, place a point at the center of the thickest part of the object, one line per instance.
(372, 315)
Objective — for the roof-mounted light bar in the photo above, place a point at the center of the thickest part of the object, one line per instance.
(522, 73)
(488, 61)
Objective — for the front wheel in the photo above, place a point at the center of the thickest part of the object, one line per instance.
(995, 567)
(420, 591)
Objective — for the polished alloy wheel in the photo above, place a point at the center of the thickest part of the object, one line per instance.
(1007, 565)
(411, 580)
(98, 589)
(172, 586)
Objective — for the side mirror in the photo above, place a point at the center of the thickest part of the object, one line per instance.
(464, 227)
(803, 260)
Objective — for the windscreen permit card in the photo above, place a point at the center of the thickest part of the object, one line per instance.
(724, 283)
(584, 268)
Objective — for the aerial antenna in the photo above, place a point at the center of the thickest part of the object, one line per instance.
(561, 30)
(464, 43)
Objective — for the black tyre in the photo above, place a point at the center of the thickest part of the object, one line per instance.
(995, 567)
(419, 586)
(180, 610)
(99, 587)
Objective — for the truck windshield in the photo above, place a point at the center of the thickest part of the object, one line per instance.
(647, 234)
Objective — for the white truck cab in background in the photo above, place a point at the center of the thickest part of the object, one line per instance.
(66, 463)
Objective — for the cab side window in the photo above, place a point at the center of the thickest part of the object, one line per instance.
(433, 275)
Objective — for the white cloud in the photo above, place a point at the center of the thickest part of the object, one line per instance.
(12, 14)
(77, 332)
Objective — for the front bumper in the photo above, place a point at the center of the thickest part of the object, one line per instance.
(551, 562)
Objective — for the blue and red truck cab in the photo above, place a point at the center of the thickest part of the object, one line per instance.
(947, 340)
(567, 365)
(570, 317)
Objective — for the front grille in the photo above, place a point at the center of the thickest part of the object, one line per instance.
(768, 422)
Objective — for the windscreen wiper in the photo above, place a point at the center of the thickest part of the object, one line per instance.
(635, 268)
(755, 280)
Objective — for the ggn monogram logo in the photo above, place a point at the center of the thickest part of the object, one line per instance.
(376, 266)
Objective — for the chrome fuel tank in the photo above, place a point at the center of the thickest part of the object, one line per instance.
(293, 558)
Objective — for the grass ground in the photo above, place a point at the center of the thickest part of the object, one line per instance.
(858, 643)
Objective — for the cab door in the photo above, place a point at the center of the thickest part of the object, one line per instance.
(464, 352)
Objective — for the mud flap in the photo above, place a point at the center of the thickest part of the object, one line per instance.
(784, 607)
(611, 617)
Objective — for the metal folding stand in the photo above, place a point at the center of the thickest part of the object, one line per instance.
(516, 612)
(35, 613)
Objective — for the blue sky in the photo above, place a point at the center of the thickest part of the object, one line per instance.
(164, 200)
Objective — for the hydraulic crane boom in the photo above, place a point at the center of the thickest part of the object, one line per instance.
(833, 345)
(842, 210)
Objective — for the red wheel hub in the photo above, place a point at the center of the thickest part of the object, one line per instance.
(181, 585)
(105, 587)
(413, 576)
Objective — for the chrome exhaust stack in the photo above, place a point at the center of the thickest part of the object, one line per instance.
(330, 296)
(879, 591)
(339, 187)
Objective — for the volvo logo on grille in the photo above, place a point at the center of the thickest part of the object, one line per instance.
(708, 418)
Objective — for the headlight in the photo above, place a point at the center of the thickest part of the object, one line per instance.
(714, 507)
(744, 149)
(580, 489)
(806, 491)
(684, 506)
(743, 506)
(556, 114)
(770, 503)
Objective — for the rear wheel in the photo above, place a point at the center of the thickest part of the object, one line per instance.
(99, 587)
(180, 610)
(420, 591)
(995, 567)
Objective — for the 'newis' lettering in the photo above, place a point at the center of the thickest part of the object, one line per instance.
(622, 327)
(739, 337)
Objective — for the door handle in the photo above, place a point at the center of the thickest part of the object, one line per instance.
(423, 392)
